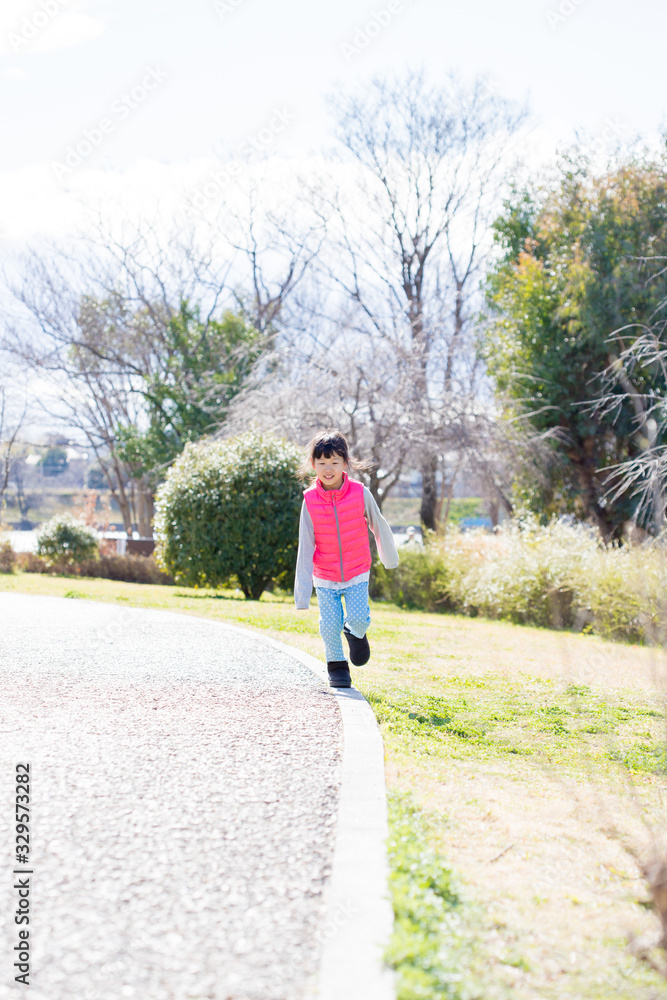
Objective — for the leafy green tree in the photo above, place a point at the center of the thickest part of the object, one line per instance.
(153, 379)
(231, 509)
(577, 280)
(200, 368)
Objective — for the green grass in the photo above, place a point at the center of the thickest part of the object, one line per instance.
(428, 948)
(488, 716)
(402, 511)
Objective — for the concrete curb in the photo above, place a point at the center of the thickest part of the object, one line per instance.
(360, 917)
(359, 913)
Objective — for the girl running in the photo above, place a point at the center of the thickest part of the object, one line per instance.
(334, 553)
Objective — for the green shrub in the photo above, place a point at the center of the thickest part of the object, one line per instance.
(65, 541)
(7, 558)
(128, 568)
(29, 562)
(625, 593)
(231, 509)
(420, 580)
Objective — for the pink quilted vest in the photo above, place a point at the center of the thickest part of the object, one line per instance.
(341, 533)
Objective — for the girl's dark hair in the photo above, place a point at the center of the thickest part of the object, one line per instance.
(324, 445)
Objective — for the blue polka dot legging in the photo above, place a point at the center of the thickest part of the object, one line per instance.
(357, 616)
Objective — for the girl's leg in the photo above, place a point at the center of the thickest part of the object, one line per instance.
(331, 623)
(357, 612)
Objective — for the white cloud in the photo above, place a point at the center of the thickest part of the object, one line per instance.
(34, 203)
(45, 30)
(15, 73)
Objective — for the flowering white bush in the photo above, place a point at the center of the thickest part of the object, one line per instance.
(525, 572)
(561, 574)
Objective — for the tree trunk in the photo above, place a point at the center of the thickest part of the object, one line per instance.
(586, 466)
(374, 487)
(144, 508)
(447, 494)
(252, 588)
(456, 335)
(443, 518)
(429, 502)
(117, 489)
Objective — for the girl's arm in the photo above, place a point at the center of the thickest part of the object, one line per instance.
(383, 534)
(303, 582)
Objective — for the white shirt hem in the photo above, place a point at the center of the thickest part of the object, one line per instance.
(341, 585)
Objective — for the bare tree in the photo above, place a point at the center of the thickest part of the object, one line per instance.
(10, 427)
(406, 248)
(101, 309)
(275, 251)
(24, 499)
(92, 359)
(303, 392)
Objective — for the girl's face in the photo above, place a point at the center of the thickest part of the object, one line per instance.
(330, 470)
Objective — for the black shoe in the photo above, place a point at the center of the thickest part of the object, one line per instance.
(339, 674)
(360, 651)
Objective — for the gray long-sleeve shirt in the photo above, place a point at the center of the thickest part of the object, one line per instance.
(303, 584)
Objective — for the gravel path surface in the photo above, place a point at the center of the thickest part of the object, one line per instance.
(184, 788)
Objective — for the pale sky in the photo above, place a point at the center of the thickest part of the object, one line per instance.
(210, 75)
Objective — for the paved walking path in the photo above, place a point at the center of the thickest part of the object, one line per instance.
(184, 789)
